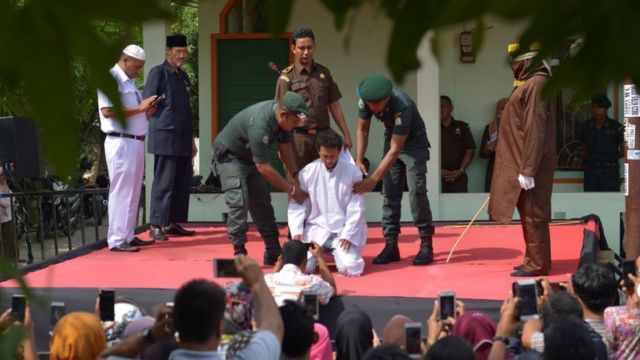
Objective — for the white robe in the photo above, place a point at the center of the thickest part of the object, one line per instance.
(331, 212)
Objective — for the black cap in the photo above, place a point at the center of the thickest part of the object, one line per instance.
(601, 100)
(176, 41)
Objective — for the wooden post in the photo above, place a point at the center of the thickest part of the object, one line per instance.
(632, 170)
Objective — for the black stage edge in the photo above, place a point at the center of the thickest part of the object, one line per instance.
(380, 309)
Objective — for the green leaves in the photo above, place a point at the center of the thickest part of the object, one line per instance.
(41, 39)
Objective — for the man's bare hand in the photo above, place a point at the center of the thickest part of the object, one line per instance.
(147, 103)
(299, 196)
(362, 168)
(316, 250)
(248, 269)
(347, 142)
(345, 244)
(364, 185)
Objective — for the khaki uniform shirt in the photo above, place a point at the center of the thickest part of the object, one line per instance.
(316, 87)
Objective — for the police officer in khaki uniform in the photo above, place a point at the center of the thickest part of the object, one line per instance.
(456, 148)
(320, 93)
(243, 161)
(602, 145)
(406, 152)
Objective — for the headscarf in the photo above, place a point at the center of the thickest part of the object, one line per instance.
(321, 349)
(477, 328)
(354, 334)
(78, 335)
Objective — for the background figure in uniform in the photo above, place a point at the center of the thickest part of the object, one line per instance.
(456, 149)
(124, 149)
(6, 219)
(526, 161)
(406, 151)
(336, 215)
(489, 142)
(171, 142)
(602, 145)
(242, 158)
(315, 84)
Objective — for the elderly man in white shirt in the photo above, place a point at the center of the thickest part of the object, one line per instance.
(124, 149)
(333, 215)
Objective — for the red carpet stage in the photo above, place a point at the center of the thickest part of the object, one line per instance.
(479, 268)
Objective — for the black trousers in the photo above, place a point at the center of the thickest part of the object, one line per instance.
(170, 189)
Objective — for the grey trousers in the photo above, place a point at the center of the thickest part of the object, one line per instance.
(414, 169)
(246, 192)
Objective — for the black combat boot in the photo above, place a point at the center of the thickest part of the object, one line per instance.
(425, 254)
(239, 250)
(390, 252)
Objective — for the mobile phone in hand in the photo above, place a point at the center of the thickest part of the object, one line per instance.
(58, 310)
(527, 291)
(413, 337)
(18, 307)
(107, 304)
(158, 100)
(310, 303)
(628, 267)
(447, 301)
(225, 268)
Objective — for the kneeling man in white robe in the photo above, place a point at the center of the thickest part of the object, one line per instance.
(333, 215)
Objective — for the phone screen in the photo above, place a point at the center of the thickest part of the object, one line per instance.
(628, 267)
(528, 307)
(412, 332)
(447, 306)
(225, 268)
(107, 304)
(58, 310)
(18, 304)
(310, 302)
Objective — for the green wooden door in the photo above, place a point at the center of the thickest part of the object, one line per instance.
(244, 78)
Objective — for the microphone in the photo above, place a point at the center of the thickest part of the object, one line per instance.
(271, 65)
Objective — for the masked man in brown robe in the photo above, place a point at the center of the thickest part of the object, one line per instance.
(526, 161)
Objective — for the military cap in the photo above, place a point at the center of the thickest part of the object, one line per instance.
(518, 54)
(601, 100)
(294, 103)
(374, 88)
(177, 40)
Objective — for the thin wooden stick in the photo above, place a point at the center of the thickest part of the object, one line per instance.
(467, 228)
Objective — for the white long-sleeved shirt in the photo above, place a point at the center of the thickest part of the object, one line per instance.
(332, 207)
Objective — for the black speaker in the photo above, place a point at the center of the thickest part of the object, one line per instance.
(20, 143)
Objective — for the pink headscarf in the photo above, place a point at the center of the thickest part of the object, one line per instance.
(321, 349)
(478, 329)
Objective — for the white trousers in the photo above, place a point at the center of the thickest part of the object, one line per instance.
(349, 262)
(125, 162)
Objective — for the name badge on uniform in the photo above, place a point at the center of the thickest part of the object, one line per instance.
(398, 117)
(265, 139)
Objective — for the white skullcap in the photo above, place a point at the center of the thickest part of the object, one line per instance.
(135, 52)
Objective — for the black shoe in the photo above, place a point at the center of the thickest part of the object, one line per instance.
(177, 230)
(156, 233)
(425, 254)
(270, 259)
(139, 242)
(239, 250)
(519, 267)
(124, 247)
(524, 273)
(389, 254)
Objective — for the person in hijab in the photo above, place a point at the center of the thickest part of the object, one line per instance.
(77, 335)
(321, 348)
(354, 334)
(477, 328)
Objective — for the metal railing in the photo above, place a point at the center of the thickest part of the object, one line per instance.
(55, 221)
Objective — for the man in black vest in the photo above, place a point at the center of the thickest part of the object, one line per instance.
(171, 142)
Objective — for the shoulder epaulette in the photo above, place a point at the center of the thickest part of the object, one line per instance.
(285, 78)
(287, 69)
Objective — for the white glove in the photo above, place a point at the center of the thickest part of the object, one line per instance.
(526, 182)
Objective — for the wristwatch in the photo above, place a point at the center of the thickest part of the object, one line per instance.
(147, 336)
(504, 339)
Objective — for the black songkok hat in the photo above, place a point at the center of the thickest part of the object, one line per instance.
(601, 100)
(176, 41)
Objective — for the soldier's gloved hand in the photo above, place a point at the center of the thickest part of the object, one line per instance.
(526, 182)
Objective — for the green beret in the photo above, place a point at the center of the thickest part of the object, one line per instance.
(601, 100)
(294, 103)
(374, 88)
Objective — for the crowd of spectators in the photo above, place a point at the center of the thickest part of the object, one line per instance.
(592, 315)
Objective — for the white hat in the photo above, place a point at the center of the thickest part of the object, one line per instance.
(135, 52)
